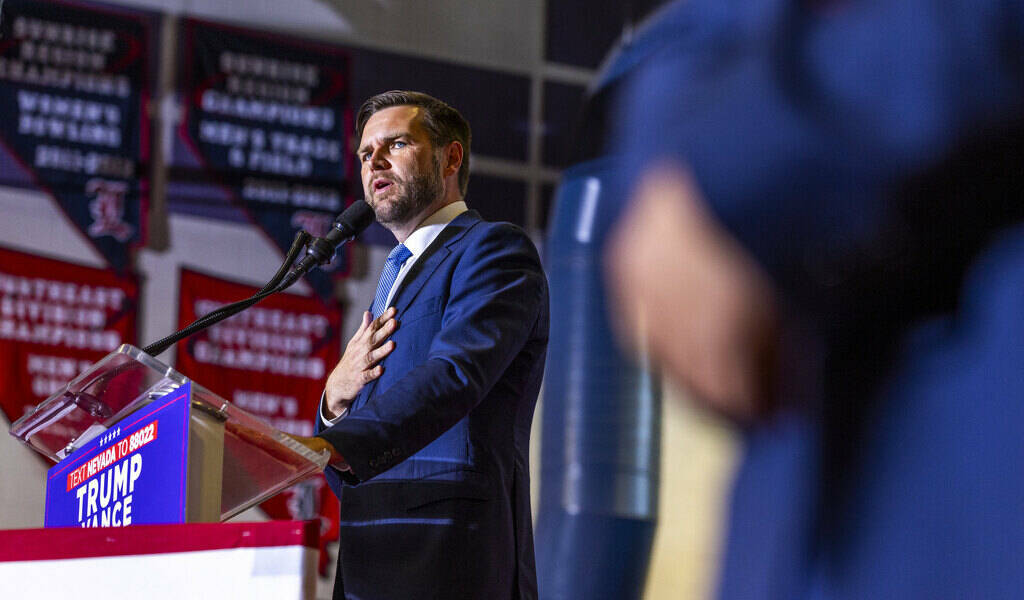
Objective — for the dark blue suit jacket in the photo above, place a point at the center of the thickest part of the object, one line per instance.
(438, 504)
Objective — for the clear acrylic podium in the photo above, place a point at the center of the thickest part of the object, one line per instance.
(235, 460)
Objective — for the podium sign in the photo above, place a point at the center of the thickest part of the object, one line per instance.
(135, 473)
(132, 430)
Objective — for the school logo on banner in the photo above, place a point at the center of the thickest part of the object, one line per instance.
(264, 130)
(56, 319)
(74, 83)
(271, 360)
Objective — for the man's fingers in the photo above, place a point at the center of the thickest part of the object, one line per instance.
(364, 327)
(384, 332)
(371, 374)
(365, 322)
(370, 334)
(383, 318)
(377, 355)
(374, 356)
(358, 365)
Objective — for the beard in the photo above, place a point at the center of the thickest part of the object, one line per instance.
(415, 195)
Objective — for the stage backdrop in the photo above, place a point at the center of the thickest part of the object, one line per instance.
(272, 360)
(75, 82)
(56, 319)
(263, 132)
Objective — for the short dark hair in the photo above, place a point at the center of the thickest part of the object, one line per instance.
(443, 123)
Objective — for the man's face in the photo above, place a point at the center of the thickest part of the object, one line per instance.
(400, 168)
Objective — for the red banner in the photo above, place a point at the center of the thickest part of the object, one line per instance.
(272, 360)
(56, 319)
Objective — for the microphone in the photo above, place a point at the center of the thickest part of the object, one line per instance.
(347, 226)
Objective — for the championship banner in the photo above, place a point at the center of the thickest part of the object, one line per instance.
(56, 319)
(271, 360)
(263, 129)
(74, 86)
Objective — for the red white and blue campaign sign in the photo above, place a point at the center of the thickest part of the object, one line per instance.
(74, 83)
(264, 130)
(56, 319)
(135, 473)
(271, 360)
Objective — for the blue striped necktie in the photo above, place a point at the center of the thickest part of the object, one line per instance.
(396, 259)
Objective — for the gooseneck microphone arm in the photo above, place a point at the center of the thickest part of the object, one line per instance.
(319, 251)
(224, 312)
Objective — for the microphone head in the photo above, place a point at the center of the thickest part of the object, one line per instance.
(350, 223)
(354, 219)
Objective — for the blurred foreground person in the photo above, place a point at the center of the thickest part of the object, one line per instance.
(825, 244)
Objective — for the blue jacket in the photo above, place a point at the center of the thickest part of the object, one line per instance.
(438, 499)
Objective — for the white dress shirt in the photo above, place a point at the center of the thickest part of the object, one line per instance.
(418, 241)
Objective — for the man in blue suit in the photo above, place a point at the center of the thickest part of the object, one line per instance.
(428, 413)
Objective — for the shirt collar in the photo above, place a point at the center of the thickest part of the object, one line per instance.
(431, 227)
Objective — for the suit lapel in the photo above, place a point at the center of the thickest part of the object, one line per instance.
(432, 257)
(435, 254)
